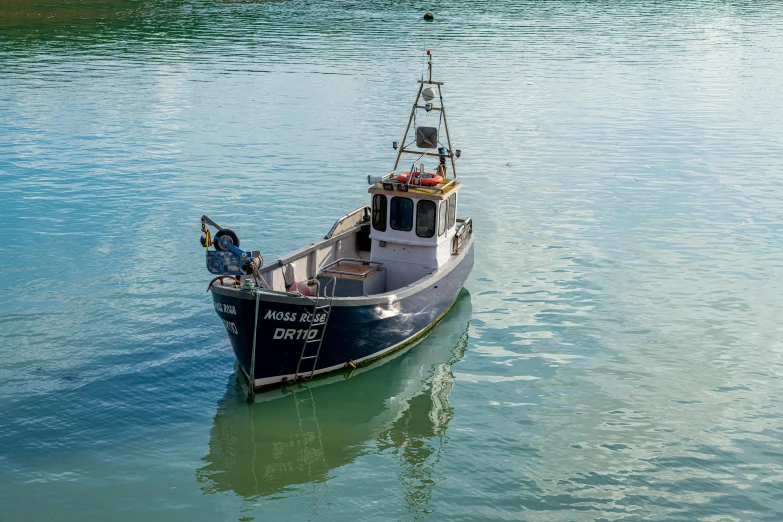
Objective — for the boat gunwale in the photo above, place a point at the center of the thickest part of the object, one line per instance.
(417, 286)
(300, 253)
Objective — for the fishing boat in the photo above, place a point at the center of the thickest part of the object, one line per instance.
(382, 277)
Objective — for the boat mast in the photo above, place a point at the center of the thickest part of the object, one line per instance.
(449, 152)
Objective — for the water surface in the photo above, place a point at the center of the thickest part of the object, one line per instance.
(617, 352)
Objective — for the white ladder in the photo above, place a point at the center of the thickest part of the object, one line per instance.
(317, 341)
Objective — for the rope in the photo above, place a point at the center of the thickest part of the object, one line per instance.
(257, 274)
(251, 393)
(260, 279)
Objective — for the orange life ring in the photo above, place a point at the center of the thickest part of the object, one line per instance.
(431, 180)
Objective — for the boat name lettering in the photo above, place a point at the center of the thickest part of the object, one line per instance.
(225, 308)
(291, 334)
(231, 327)
(291, 316)
(305, 318)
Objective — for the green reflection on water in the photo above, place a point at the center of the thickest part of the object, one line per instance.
(299, 434)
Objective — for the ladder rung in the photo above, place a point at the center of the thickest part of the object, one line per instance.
(319, 340)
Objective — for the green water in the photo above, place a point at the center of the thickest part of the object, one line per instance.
(616, 354)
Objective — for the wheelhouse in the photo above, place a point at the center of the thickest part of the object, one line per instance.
(412, 230)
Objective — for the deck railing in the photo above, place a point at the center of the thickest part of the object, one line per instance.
(350, 220)
(464, 231)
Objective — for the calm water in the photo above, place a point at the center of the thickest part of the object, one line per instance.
(616, 353)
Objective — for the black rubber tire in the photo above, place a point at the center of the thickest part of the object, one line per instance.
(228, 234)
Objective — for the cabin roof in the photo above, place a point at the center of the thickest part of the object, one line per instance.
(435, 193)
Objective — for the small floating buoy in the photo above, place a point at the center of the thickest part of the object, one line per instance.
(429, 16)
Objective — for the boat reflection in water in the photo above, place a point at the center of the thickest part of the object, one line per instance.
(296, 435)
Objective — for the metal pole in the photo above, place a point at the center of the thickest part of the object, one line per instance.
(251, 393)
(446, 124)
(408, 128)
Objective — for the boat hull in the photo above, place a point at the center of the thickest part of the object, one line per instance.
(358, 331)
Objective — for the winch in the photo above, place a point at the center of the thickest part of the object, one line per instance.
(228, 258)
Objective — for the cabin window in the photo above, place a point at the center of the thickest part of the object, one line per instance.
(379, 212)
(452, 209)
(425, 218)
(444, 206)
(401, 217)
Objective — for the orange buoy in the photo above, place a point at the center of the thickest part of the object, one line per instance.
(425, 179)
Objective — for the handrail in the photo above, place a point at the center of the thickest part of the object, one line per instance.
(463, 233)
(366, 209)
(417, 160)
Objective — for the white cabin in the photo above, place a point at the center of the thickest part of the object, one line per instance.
(412, 231)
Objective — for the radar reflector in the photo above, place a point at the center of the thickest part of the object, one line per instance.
(427, 137)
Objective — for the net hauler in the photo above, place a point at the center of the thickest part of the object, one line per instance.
(383, 276)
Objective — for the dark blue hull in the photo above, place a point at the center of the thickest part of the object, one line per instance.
(359, 329)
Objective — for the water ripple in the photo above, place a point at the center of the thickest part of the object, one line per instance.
(622, 163)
